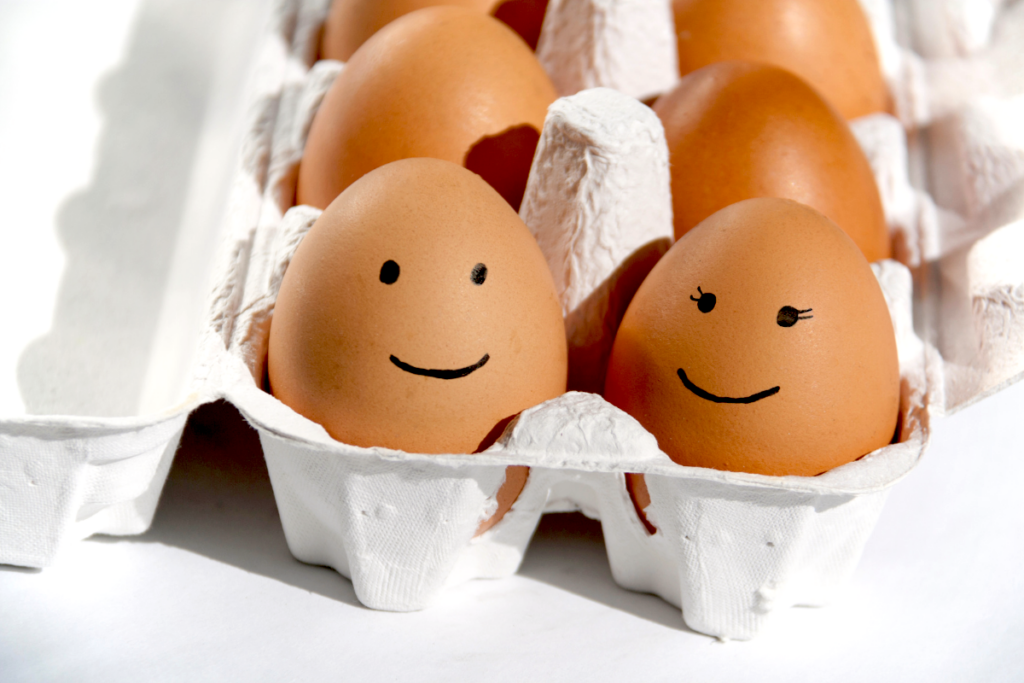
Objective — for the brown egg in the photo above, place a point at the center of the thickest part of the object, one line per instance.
(417, 314)
(442, 82)
(737, 130)
(352, 22)
(828, 43)
(760, 343)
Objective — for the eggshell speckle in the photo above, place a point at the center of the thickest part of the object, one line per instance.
(442, 82)
(738, 130)
(417, 314)
(760, 343)
(826, 42)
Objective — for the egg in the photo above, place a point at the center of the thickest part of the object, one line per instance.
(443, 82)
(418, 314)
(738, 130)
(760, 343)
(350, 23)
(828, 43)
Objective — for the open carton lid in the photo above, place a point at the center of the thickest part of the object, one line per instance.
(92, 409)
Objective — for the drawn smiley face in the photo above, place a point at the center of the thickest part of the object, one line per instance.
(389, 273)
(787, 317)
(760, 343)
(417, 314)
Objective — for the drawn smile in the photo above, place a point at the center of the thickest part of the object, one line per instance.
(708, 396)
(443, 374)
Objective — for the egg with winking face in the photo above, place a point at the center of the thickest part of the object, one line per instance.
(762, 343)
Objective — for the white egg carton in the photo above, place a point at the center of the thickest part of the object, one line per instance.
(731, 548)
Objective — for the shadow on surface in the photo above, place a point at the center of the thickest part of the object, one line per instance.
(572, 535)
(218, 503)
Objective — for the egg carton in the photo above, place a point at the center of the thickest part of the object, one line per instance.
(731, 548)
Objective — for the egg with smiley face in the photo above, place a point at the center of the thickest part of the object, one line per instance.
(760, 343)
(417, 314)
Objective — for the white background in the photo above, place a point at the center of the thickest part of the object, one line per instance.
(211, 591)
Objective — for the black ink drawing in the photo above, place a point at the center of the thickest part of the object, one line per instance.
(708, 396)
(788, 316)
(441, 374)
(706, 302)
(389, 272)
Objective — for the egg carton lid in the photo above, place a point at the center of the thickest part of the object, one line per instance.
(89, 431)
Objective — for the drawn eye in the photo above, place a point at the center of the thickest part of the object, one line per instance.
(479, 274)
(706, 302)
(389, 272)
(788, 316)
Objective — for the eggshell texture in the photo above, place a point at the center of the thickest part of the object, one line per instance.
(417, 314)
(737, 130)
(760, 343)
(352, 22)
(443, 82)
(826, 42)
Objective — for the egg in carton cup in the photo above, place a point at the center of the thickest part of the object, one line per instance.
(730, 547)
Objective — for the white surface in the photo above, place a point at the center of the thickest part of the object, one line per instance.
(211, 592)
